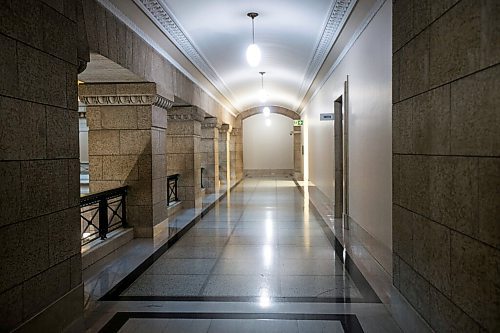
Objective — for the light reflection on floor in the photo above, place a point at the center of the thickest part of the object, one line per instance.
(261, 249)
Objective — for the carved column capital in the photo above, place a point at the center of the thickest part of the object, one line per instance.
(225, 128)
(188, 113)
(210, 122)
(122, 94)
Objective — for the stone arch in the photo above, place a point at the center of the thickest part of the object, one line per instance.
(297, 140)
(256, 110)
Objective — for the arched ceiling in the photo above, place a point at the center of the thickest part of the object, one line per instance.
(295, 37)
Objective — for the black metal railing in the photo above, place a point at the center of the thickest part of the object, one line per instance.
(172, 188)
(201, 177)
(103, 212)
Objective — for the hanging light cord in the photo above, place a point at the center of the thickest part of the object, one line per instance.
(253, 31)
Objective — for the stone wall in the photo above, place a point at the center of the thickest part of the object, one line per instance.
(113, 39)
(446, 161)
(39, 169)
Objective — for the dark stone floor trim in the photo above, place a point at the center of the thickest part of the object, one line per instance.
(349, 322)
(253, 299)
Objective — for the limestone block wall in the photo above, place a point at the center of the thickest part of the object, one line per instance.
(209, 153)
(446, 161)
(183, 152)
(40, 259)
(127, 139)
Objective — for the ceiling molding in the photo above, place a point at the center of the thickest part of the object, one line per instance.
(135, 28)
(339, 14)
(166, 22)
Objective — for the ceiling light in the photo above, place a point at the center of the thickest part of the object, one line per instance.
(262, 93)
(266, 111)
(253, 51)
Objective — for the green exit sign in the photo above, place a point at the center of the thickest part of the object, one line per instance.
(299, 122)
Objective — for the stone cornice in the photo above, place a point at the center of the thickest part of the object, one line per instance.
(185, 114)
(210, 122)
(108, 100)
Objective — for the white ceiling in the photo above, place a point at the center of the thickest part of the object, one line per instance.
(294, 36)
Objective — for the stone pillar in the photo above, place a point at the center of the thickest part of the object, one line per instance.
(183, 152)
(235, 134)
(237, 153)
(297, 152)
(224, 157)
(446, 162)
(210, 154)
(40, 276)
(127, 124)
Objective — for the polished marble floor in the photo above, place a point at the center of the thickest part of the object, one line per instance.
(261, 260)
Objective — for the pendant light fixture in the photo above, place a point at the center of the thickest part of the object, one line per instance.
(262, 92)
(253, 51)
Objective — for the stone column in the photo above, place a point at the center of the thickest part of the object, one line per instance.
(183, 152)
(127, 124)
(232, 154)
(210, 154)
(224, 157)
(236, 149)
(297, 152)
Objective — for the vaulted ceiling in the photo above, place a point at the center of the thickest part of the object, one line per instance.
(294, 36)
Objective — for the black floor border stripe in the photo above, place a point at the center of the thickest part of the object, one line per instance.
(369, 295)
(114, 293)
(349, 322)
(238, 299)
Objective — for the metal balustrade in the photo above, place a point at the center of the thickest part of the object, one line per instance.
(101, 213)
(172, 181)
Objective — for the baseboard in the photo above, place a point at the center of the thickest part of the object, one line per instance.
(65, 312)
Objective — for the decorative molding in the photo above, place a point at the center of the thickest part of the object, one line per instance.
(191, 113)
(166, 22)
(107, 100)
(236, 131)
(339, 13)
(210, 122)
(162, 102)
(225, 128)
(375, 9)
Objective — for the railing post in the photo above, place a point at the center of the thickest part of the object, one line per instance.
(103, 218)
(124, 209)
(201, 177)
(176, 183)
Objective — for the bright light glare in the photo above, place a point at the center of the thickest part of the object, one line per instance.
(253, 55)
(86, 234)
(266, 111)
(265, 300)
(267, 253)
(268, 122)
